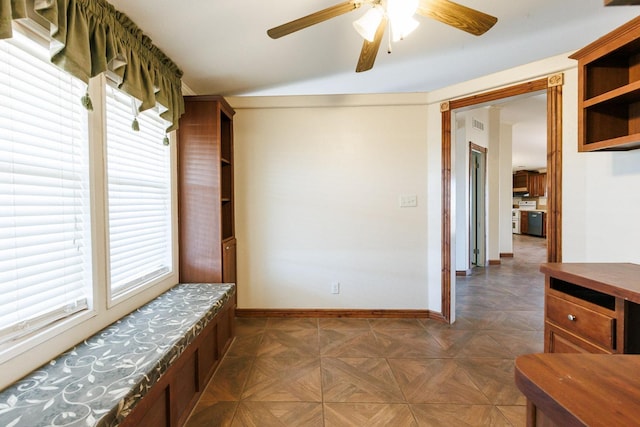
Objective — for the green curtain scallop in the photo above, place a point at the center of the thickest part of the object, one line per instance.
(90, 37)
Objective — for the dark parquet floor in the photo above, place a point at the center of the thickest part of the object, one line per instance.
(388, 372)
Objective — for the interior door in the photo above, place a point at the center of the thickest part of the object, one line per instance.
(477, 218)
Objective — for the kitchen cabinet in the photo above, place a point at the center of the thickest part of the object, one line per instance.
(609, 90)
(524, 222)
(592, 308)
(531, 182)
(521, 182)
(205, 191)
(537, 185)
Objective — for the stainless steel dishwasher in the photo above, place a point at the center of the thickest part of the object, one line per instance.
(535, 223)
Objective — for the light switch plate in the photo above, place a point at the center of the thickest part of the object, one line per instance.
(408, 201)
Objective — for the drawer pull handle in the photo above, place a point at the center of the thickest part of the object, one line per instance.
(571, 317)
(228, 247)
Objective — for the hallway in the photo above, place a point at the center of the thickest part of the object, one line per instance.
(388, 372)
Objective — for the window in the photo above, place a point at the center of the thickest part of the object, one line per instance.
(139, 196)
(87, 207)
(45, 267)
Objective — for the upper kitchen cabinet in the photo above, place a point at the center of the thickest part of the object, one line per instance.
(609, 91)
(531, 183)
(521, 182)
(538, 185)
(205, 191)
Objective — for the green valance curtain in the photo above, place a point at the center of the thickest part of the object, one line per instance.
(90, 37)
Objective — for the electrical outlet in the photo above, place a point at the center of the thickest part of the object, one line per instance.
(335, 288)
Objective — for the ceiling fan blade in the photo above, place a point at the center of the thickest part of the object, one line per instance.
(370, 49)
(458, 16)
(312, 19)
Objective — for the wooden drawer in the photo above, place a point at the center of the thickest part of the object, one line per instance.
(558, 340)
(597, 327)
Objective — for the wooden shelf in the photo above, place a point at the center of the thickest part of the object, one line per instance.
(609, 91)
(626, 94)
(206, 195)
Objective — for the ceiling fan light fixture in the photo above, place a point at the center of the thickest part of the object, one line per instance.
(368, 23)
(401, 10)
(401, 29)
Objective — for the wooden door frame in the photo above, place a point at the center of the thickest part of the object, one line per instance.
(553, 85)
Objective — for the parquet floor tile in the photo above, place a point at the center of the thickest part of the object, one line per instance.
(284, 379)
(246, 344)
(482, 344)
(368, 414)
(494, 377)
(359, 380)
(231, 377)
(436, 381)
(517, 415)
(410, 343)
(447, 415)
(344, 372)
(289, 343)
(340, 323)
(349, 343)
(212, 414)
(278, 414)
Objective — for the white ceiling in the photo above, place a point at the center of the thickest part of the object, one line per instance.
(223, 48)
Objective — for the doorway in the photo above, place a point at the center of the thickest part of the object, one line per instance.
(553, 86)
(477, 203)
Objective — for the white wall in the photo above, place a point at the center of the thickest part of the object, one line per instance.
(601, 197)
(493, 187)
(462, 208)
(317, 186)
(506, 189)
(317, 190)
(464, 135)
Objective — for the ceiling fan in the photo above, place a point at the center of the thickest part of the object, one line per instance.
(399, 14)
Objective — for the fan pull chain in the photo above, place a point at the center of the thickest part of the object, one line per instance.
(389, 41)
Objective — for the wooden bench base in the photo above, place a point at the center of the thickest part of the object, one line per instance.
(170, 401)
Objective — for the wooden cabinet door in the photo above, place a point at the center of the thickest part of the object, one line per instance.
(229, 261)
(524, 222)
(542, 184)
(520, 180)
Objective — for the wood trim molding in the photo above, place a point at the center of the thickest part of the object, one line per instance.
(464, 272)
(506, 255)
(554, 170)
(495, 262)
(554, 174)
(494, 95)
(333, 313)
(476, 147)
(445, 273)
(620, 35)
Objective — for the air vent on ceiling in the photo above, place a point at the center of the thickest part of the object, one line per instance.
(477, 124)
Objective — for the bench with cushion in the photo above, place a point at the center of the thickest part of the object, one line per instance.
(147, 368)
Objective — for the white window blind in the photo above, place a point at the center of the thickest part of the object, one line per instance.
(139, 195)
(45, 269)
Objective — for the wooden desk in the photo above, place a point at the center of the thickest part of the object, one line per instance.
(592, 307)
(580, 389)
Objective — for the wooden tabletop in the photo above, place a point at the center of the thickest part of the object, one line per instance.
(621, 280)
(582, 389)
